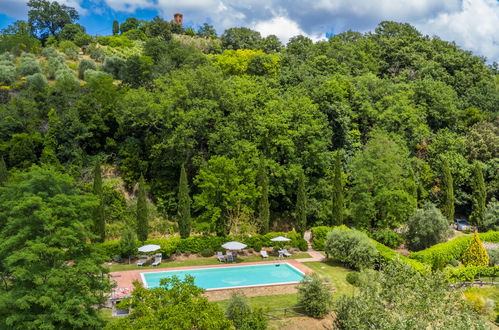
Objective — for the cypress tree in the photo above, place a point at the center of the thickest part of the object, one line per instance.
(99, 221)
(3, 172)
(478, 197)
(142, 214)
(448, 190)
(338, 204)
(116, 28)
(184, 205)
(475, 253)
(301, 205)
(263, 203)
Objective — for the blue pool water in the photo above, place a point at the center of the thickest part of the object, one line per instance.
(231, 277)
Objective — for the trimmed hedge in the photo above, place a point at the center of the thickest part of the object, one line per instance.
(386, 254)
(444, 253)
(196, 244)
(461, 274)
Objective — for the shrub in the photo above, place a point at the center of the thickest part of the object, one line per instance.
(83, 39)
(493, 257)
(243, 317)
(351, 247)
(66, 45)
(397, 297)
(71, 54)
(475, 253)
(93, 74)
(85, 65)
(426, 227)
(97, 54)
(135, 34)
(115, 41)
(7, 57)
(314, 296)
(387, 237)
(319, 237)
(207, 252)
(54, 64)
(353, 278)
(7, 74)
(49, 52)
(113, 65)
(36, 81)
(491, 221)
(29, 65)
(480, 304)
(302, 244)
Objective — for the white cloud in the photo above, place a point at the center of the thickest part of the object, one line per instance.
(474, 27)
(283, 28)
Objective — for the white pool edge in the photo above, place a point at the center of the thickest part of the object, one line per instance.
(228, 287)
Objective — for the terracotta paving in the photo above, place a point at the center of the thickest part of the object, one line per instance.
(124, 279)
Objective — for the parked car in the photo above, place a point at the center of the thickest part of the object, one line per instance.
(462, 224)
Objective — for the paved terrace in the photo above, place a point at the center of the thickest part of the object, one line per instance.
(125, 279)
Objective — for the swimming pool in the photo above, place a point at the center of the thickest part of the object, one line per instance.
(231, 277)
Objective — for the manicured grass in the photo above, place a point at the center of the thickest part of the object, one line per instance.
(106, 314)
(268, 302)
(335, 273)
(199, 262)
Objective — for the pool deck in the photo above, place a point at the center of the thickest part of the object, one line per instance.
(124, 280)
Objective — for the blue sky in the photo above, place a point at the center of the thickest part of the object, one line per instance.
(472, 24)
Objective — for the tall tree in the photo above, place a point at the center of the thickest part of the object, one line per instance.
(184, 205)
(263, 202)
(142, 213)
(99, 220)
(128, 243)
(301, 204)
(448, 191)
(478, 197)
(48, 18)
(175, 304)
(338, 204)
(3, 171)
(116, 27)
(55, 275)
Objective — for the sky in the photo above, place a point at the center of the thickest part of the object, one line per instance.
(472, 24)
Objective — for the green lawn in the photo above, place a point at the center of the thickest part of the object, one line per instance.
(199, 262)
(335, 273)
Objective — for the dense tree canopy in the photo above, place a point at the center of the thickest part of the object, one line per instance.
(45, 225)
(394, 101)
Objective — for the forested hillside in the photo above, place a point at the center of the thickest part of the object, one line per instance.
(360, 129)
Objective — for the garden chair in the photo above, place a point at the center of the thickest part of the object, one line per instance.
(230, 257)
(142, 261)
(285, 253)
(157, 260)
(264, 254)
(220, 257)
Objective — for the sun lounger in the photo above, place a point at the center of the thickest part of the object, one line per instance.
(220, 257)
(157, 260)
(284, 253)
(230, 257)
(264, 254)
(142, 261)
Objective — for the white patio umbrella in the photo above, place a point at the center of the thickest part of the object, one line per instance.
(234, 245)
(280, 239)
(149, 248)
